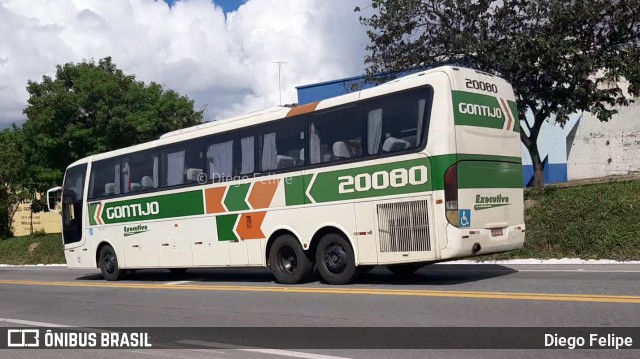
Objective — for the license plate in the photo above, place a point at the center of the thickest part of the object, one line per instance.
(496, 232)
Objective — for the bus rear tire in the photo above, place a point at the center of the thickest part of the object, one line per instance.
(406, 269)
(335, 260)
(288, 262)
(109, 264)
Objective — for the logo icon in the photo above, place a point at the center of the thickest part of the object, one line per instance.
(23, 338)
(465, 217)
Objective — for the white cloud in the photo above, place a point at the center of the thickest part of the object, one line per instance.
(224, 63)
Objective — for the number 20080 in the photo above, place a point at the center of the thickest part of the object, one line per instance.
(398, 177)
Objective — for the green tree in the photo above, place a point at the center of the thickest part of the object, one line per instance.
(561, 57)
(88, 108)
(12, 177)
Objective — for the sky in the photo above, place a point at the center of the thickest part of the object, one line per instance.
(220, 53)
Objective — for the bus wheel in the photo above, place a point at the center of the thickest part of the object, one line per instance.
(335, 259)
(109, 264)
(288, 262)
(405, 270)
(178, 270)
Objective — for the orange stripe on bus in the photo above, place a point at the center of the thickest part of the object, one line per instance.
(249, 226)
(262, 193)
(506, 111)
(299, 110)
(213, 197)
(98, 217)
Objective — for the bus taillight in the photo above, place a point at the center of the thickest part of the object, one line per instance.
(451, 194)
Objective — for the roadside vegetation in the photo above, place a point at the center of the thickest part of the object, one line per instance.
(589, 221)
(35, 249)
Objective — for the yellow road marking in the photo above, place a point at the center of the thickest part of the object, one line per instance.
(594, 298)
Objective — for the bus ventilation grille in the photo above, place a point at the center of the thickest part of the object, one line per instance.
(404, 226)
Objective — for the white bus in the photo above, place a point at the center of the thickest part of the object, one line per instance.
(421, 169)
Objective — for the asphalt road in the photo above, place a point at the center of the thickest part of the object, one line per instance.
(439, 295)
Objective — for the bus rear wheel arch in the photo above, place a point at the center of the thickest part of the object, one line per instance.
(288, 262)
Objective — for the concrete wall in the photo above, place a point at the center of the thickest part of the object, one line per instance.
(600, 149)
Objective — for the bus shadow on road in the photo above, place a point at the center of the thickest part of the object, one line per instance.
(437, 275)
(434, 275)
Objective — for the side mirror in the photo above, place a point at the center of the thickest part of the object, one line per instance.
(54, 199)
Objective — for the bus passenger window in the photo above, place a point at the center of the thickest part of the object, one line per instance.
(397, 122)
(182, 163)
(244, 156)
(335, 135)
(220, 161)
(283, 145)
(105, 178)
(140, 172)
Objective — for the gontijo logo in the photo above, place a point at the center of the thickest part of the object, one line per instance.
(479, 110)
(133, 210)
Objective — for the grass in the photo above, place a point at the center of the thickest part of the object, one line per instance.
(16, 250)
(590, 221)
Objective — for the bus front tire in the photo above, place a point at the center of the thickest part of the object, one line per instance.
(405, 270)
(335, 259)
(109, 264)
(288, 261)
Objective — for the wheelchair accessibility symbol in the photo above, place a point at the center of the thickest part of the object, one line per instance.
(465, 217)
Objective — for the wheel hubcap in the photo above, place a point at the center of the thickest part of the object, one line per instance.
(109, 263)
(335, 258)
(287, 260)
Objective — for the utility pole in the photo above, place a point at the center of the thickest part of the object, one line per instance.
(280, 63)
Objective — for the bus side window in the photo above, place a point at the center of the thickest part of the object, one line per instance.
(335, 135)
(105, 178)
(282, 145)
(244, 156)
(220, 161)
(397, 122)
(140, 172)
(182, 163)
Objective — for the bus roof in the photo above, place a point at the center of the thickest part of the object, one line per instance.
(269, 114)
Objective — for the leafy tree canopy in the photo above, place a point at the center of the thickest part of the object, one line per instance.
(560, 56)
(88, 108)
(12, 177)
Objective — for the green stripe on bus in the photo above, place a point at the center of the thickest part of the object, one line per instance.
(92, 213)
(440, 164)
(154, 207)
(372, 181)
(472, 109)
(486, 174)
(294, 190)
(225, 225)
(235, 199)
